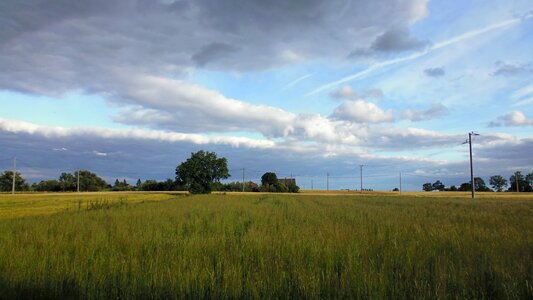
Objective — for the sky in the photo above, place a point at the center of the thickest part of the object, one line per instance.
(128, 89)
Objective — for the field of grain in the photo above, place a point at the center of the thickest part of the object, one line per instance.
(310, 245)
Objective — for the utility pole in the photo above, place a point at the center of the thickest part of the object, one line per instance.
(516, 180)
(243, 180)
(14, 174)
(327, 181)
(470, 134)
(400, 183)
(361, 176)
(78, 182)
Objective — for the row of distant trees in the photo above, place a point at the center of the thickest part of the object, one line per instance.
(498, 183)
(199, 174)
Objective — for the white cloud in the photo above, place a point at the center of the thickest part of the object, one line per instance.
(180, 106)
(360, 111)
(344, 92)
(436, 110)
(124, 134)
(523, 96)
(514, 118)
(523, 92)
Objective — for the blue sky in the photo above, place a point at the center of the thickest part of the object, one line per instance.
(128, 89)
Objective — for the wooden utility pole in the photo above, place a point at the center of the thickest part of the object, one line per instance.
(400, 183)
(361, 177)
(516, 180)
(469, 141)
(14, 174)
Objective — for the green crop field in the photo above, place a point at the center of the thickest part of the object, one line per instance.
(309, 245)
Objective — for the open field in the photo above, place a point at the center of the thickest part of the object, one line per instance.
(312, 245)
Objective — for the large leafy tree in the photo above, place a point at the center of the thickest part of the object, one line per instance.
(438, 186)
(498, 182)
(6, 182)
(480, 185)
(269, 178)
(523, 183)
(47, 186)
(67, 182)
(428, 187)
(199, 172)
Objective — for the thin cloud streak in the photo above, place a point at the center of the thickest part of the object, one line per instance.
(296, 81)
(454, 40)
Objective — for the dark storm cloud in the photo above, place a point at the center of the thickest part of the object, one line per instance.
(434, 72)
(397, 39)
(54, 46)
(212, 52)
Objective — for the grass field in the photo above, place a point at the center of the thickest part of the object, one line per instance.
(310, 245)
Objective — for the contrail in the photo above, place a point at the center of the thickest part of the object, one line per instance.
(439, 45)
(294, 82)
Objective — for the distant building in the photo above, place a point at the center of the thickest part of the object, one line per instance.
(287, 181)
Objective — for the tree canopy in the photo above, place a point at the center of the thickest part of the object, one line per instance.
(6, 182)
(525, 183)
(269, 178)
(498, 182)
(200, 171)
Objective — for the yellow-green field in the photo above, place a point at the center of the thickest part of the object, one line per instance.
(310, 245)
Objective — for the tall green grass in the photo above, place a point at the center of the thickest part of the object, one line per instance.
(273, 246)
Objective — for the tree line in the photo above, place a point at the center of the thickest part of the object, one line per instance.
(201, 173)
(517, 183)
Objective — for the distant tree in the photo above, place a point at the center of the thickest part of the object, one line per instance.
(90, 182)
(68, 182)
(200, 171)
(269, 178)
(121, 186)
(395, 189)
(236, 186)
(438, 186)
(523, 183)
(428, 187)
(453, 188)
(47, 186)
(281, 187)
(251, 187)
(139, 183)
(498, 182)
(529, 180)
(480, 185)
(169, 185)
(6, 182)
(464, 187)
(271, 183)
(150, 185)
(293, 188)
